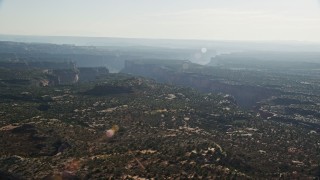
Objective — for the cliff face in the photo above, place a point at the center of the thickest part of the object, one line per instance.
(54, 73)
(246, 96)
(91, 73)
(71, 76)
(37, 65)
(65, 76)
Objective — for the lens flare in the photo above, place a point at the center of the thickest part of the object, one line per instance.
(111, 132)
(204, 50)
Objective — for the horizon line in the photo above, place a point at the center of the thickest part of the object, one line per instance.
(166, 39)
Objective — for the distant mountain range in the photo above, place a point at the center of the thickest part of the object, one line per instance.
(219, 46)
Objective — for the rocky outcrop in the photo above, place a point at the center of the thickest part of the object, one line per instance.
(28, 140)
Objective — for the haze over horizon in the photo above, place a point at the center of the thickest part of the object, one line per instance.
(295, 20)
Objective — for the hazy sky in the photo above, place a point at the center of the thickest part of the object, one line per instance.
(178, 19)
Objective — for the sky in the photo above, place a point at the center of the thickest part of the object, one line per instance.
(270, 20)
